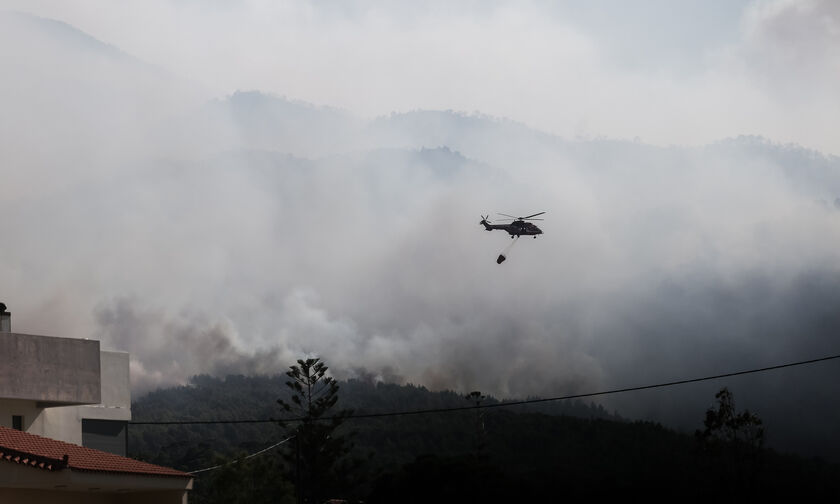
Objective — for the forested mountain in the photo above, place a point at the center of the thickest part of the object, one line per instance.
(238, 397)
(502, 454)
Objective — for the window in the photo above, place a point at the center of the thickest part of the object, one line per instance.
(105, 435)
(17, 422)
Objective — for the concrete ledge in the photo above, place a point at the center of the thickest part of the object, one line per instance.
(53, 371)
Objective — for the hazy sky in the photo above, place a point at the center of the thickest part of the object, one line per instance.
(685, 72)
(151, 201)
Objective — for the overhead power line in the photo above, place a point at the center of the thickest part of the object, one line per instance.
(275, 445)
(495, 405)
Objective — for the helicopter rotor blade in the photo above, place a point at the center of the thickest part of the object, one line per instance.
(523, 218)
(506, 215)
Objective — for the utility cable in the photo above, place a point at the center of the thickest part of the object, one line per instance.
(499, 404)
(241, 459)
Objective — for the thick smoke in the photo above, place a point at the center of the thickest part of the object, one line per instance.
(238, 233)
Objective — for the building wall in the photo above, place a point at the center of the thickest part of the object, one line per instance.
(32, 422)
(49, 369)
(28, 485)
(65, 422)
(24, 496)
(116, 383)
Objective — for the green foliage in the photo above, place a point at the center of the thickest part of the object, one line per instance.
(244, 481)
(317, 447)
(726, 425)
(547, 451)
(313, 392)
(431, 478)
(732, 443)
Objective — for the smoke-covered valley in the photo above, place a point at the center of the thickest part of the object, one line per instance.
(237, 233)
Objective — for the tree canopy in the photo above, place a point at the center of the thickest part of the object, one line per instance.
(317, 449)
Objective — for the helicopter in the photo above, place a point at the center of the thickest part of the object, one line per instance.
(516, 228)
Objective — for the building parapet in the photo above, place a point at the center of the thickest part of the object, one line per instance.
(52, 371)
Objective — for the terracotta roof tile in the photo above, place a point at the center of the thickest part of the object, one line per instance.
(36, 451)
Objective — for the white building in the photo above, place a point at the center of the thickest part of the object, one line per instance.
(64, 403)
(65, 389)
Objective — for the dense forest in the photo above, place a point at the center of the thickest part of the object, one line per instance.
(496, 454)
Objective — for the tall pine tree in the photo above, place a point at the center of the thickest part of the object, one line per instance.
(317, 448)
